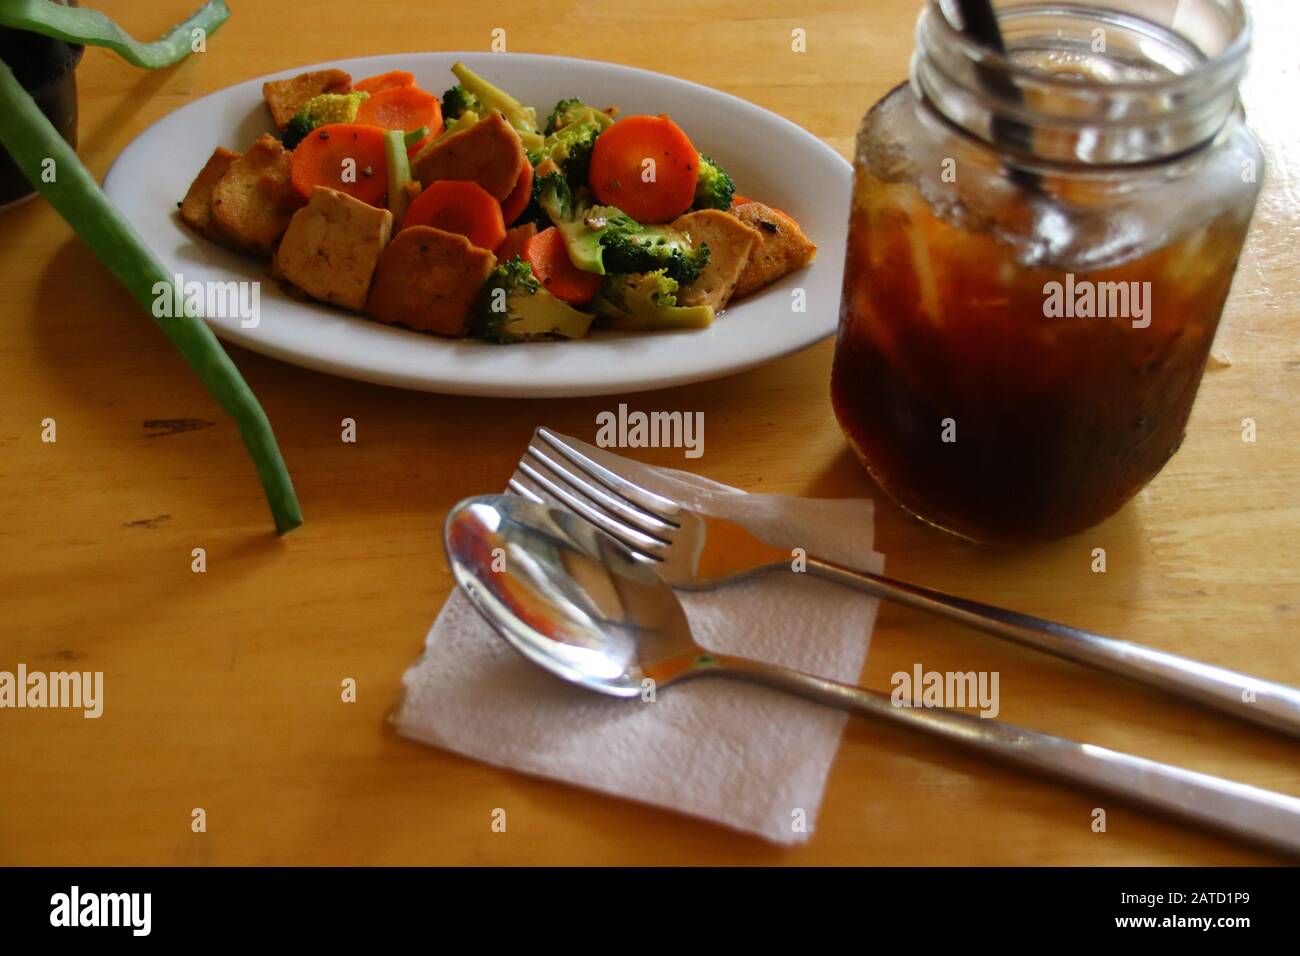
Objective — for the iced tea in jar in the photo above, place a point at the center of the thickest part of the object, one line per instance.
(1040, 246)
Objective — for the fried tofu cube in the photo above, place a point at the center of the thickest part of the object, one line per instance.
(783, 249)
(730, 243)
(196, 208)
(286, 97)
(332, 247)
(254, 199)
(489, 153)
(428, 279)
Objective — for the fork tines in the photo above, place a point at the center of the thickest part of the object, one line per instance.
(551, 472)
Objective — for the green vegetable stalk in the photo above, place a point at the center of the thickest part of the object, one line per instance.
(399, 174)
(92, 28)
(31, 140)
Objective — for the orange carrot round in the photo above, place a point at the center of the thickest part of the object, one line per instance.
(343, 156)
(461, 207)
(403, 108)
(384, 81)
(516, 201)
(549, 257)
(646, 166)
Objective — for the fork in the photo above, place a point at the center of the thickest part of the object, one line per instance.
(695, 551)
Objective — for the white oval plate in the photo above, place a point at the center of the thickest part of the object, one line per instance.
(771, 159)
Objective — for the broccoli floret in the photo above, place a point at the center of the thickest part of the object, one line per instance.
(604, 239)
(490, 97)
(715, 188)
(569, 144)
(570, 149)
(512, 276)
(296, 130)
(512, 307)
(458, 100)
(553, 192)
(573, 111)
(581, 225)
(647, 303)
(322, 110)
(651, 248)
(563, 114)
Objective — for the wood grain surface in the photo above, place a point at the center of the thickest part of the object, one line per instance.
(223, 688)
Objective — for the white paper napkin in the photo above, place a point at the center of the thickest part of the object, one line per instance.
(729, 752)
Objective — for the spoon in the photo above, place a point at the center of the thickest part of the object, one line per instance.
(572, 600)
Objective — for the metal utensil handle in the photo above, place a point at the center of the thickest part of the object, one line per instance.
(1263, 702)
(1263, 816)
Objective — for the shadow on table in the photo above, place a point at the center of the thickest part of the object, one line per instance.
(915, 550)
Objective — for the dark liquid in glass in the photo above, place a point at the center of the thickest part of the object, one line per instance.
(980, 413)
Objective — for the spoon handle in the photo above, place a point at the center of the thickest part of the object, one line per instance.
(1263, 816)
(1263, 702)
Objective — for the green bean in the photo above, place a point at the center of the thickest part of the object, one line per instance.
(92, 28)
(31, 141)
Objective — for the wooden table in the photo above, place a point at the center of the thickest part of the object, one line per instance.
(223, 688)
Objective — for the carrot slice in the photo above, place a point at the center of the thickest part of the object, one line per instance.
(549, 257)
(462, 207)
(401, 107)
(384, 81)
(516, 201)
(646, 166)
(343, 156)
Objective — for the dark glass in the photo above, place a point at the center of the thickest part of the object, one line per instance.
(47, 69)
(973, 401)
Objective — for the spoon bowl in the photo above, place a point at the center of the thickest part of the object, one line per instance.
(569, 597)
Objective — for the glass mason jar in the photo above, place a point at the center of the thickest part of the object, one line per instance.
(46, 68)
(1040, 245)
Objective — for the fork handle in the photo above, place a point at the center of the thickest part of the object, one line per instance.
(1264, 702)
(1262, 816)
